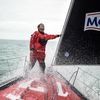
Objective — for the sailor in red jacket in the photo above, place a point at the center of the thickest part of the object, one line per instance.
(38, 43)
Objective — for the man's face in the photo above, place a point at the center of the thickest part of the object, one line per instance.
(41, 28)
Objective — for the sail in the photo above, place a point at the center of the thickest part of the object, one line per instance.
(81, 35)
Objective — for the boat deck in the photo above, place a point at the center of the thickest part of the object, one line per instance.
(48, 87)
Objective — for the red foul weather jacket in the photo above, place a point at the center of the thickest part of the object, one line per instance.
(38, 43)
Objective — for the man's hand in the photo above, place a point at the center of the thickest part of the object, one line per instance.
(31, 49)
(59, 35)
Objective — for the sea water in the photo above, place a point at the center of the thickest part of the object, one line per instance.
(12, 56)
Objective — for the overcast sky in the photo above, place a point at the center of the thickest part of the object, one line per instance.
(19, 18)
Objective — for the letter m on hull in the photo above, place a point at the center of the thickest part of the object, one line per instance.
(92, 21)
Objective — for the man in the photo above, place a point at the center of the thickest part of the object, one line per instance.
(38, 43)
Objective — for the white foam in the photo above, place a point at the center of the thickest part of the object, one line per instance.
(26, 84)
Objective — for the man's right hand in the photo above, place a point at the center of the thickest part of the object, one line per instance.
(59, 35)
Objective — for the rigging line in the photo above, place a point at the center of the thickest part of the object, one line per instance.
(89, 74)
(87, 85)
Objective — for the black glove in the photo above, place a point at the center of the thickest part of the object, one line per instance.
(58, 35)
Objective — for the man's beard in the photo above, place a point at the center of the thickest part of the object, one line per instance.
(41, 32)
